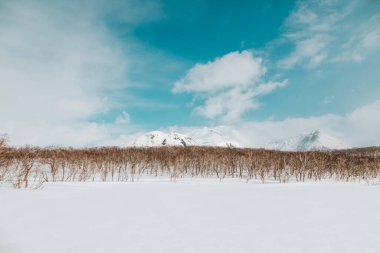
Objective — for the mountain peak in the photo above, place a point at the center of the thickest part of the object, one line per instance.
(202, 137)
(158, 138)
(314, 140)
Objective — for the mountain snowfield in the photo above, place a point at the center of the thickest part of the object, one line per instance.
(198, 137)
(158, 138)
(314, 140)
(212, 137)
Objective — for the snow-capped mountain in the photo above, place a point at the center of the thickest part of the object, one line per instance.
(315, 140)
(212, 137)
(196, 137)
(158, 138)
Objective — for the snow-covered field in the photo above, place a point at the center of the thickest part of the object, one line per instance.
(191, 216)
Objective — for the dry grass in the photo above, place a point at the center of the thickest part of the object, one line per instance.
(30, 167)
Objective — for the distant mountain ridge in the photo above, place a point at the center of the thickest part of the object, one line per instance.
(315, 140)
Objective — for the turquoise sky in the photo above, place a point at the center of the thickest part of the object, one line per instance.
(91, 71)
(195, 32)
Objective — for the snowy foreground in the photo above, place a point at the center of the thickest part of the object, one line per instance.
(191, 216)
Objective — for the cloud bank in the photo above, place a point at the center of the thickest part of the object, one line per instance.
(59, 63)
(357, 129)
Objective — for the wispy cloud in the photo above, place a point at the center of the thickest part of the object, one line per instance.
(228, 85)
(310, 51)
(364, 42)
(323, 31)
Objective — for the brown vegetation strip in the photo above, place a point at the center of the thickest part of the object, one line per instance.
(30, 166)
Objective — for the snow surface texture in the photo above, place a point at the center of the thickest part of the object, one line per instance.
(315, 140)
(191, 216)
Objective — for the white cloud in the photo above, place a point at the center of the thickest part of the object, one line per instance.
(123, 119)
(228, 85)
(330, 31)
(267, 88)
(229, 105)
(236, 69)
(53, 64)
(45, 133)
(363, 124)
(58, 64)
(310, 51)
(308, 28)
(358, 128)
(364, 42)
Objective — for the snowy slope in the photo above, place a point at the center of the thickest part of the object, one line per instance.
(212, 137)
(158, 138)
(315, 140)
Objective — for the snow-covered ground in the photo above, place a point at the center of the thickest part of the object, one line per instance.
(191, 216)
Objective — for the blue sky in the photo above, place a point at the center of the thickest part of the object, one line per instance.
(200, 31)
(93, 72)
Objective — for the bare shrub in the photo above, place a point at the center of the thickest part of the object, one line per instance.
(29, 167)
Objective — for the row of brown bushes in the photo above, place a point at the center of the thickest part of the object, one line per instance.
(30, 167)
